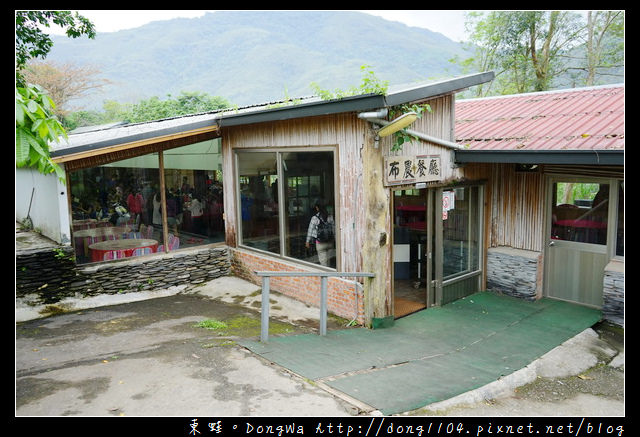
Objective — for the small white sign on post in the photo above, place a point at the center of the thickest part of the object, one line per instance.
(400, 170)
(448, 203)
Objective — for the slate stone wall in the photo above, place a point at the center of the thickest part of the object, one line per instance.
(513, 272)
(46, 276)
(613, 295)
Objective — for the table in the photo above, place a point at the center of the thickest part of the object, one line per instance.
(106, 231)
(89, 223)
(85, 237)
(120, 248)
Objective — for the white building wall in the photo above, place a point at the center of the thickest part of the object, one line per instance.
(49, 207)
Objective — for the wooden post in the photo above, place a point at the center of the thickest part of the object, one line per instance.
(163, 203)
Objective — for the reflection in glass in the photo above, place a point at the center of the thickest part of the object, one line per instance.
(258, 181)
(122, 201)
(580, 212)
(194, 199)
(109, 204)
(309, 203)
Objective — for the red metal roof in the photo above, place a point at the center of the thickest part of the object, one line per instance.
(573, 119)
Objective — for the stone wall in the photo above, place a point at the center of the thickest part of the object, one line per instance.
(48, 275)
(513, 272)
(613, 293)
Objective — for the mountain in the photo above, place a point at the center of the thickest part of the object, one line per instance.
(251, 57)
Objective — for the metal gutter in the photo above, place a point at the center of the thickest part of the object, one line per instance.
(319, 107)
(431, 90)
(578, 157)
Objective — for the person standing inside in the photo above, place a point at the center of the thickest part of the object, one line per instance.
(135, 203)
(321, 231)
(196, 215)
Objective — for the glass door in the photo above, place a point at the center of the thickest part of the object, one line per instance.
(437, 243)
(577, 243)
(461, 242)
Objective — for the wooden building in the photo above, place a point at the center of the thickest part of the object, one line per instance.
(553, 163)
(435, 221)
(284, 163)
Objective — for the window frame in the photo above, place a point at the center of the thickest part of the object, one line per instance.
(279, 151)
(159, 153)
(610, 247)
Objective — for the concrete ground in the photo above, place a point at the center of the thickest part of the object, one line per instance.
(150, 355)
(149, 358)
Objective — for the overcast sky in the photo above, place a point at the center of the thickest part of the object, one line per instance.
(450, 23)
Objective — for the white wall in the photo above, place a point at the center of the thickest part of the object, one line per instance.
(49, 208)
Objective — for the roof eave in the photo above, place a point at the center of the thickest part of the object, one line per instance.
(358, 103)
(435, 89)
(575, 157)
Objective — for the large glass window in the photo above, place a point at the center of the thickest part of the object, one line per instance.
(460, 226)
(302, 225)
(580, 212)
(193, 192)
(117, 210)
(258, 179)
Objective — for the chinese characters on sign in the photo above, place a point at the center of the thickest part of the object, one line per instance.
(400, 170)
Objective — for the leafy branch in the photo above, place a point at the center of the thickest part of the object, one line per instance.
(36, 127)
(370, 85)
(402, 136)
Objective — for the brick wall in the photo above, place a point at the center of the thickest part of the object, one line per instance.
(341, 293)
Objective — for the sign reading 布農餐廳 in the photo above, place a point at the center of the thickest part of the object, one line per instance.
(399, 170)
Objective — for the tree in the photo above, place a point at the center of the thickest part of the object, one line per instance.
(32, 43)
(186, 103)
(604, 46)
(64, 82)
(522, 47)
(36, 125)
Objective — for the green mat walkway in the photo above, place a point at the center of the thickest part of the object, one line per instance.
(432, 355)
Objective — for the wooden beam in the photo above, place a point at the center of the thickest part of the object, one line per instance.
(161, 143)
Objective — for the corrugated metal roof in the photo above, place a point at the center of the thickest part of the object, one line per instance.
(102, 137)
(574, 119)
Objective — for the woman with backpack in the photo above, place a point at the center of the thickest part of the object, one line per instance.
(321, 230)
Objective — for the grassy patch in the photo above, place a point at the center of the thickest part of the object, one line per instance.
(243, 326)
(212, 324)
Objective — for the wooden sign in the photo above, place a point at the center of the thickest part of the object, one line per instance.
(400, 170)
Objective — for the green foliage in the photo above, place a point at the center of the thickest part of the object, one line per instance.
(542, 50)
(147, 110)
(370, 85)
(402, 136)
(212, 324)
(31, 42)
(36, 127)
